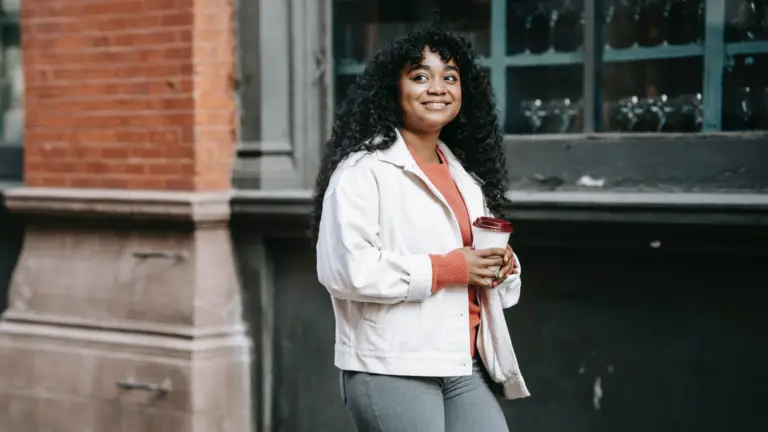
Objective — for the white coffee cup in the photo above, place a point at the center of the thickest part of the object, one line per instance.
(490, 233)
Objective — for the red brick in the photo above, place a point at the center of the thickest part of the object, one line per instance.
(129, 93)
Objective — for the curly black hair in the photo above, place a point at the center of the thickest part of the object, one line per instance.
(372, 109)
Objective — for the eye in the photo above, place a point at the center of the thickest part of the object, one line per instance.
(420, 78)
(452, 78)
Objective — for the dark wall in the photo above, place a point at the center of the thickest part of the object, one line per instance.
(641, 162)
(609, 339)
(10, 245)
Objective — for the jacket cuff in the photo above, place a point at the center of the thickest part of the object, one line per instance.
(449, 269)
(419, 287)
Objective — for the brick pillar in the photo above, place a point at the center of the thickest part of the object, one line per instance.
(125, 308)
(129, 94)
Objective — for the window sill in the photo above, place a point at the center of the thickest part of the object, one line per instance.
(288, 211)
(679, 208)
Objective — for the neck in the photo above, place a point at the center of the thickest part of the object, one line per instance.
(423, 144)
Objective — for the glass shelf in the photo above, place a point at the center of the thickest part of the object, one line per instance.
(610, 55)
(549, 58)
(746, 48)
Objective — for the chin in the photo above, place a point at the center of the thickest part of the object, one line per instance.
(437, 121)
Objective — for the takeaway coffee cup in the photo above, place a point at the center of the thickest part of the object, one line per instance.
(490, 232)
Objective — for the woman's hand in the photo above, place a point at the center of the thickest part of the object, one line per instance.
(510, 266)
(478, 262)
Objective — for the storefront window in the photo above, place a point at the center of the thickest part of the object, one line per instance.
(664, 65)
(362, 27)
(11, 77)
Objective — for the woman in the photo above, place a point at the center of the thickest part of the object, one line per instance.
(420, 334)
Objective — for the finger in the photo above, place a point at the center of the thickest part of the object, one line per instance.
(484, 253)
(484, 282)
(485, 273)
(506, 269)
(491, 262)
(477, 280)
(509, 255)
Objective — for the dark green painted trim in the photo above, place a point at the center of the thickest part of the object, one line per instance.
(11, 162)
(714, 60)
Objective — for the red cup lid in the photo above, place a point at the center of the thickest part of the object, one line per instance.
(493, 224)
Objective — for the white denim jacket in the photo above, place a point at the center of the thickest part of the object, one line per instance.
(382, 217)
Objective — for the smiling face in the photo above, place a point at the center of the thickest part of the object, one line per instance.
(430, 93)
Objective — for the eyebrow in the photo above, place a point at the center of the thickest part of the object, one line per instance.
(427, 67)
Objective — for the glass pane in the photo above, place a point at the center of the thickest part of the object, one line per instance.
(545, 67)
(745, 93)
(11, 76)
(362, 27)
(653, 23)
(541, 26)
(654, 66)
(653, 96)
(746, 20)
(544, 99)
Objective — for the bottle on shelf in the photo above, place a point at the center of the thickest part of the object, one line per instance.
(702, 17)
(621, 24)
(567, 28)
(746, 20)
(538, 36)
(516, 28)
(651, 23)
(737, 100)
(683, 114)
(683, 21)
(761, 109)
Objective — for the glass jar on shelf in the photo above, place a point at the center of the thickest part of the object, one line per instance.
(683, 114)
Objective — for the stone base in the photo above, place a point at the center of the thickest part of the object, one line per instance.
(54, 378)
(118, 324)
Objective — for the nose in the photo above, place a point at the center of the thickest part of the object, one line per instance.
(436, 87)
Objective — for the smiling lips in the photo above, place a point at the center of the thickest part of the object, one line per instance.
(435, 106)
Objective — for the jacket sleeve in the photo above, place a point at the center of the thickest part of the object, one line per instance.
(350, 261)
(509, 290)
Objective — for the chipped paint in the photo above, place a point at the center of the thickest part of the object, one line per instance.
(589, 181)
(597, 393)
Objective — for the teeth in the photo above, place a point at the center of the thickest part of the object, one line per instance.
(435, 105)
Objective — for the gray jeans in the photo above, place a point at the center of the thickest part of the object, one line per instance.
(387, 403)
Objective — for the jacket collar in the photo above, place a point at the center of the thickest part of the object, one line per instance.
(399, 155)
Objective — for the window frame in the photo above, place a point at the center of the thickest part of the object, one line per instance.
(715, 53)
